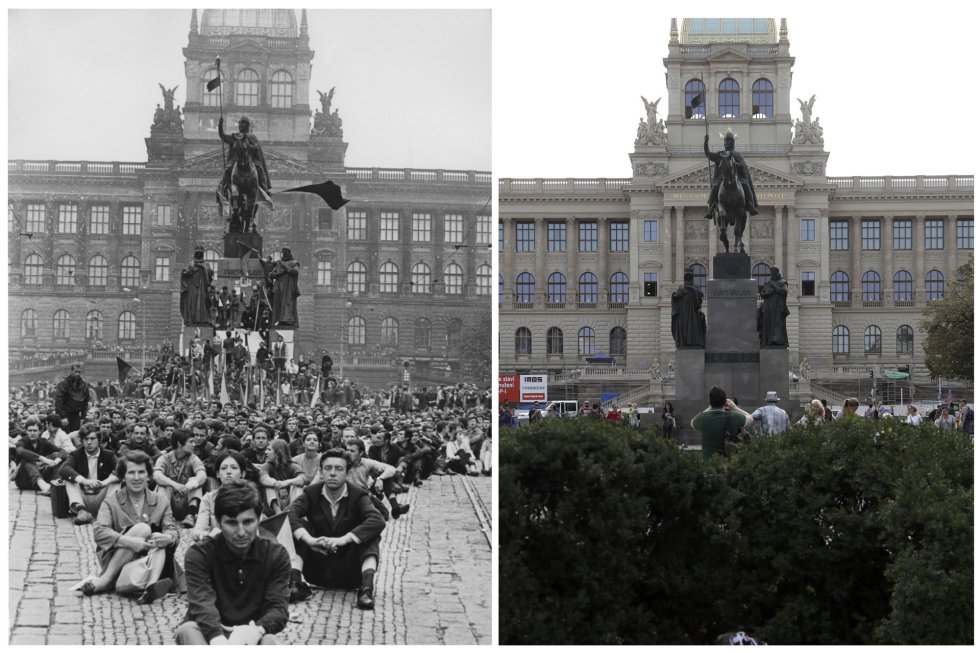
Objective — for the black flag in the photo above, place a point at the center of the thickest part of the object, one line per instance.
(695, 103)
(329, 191)
(214, 83)
(123, 367)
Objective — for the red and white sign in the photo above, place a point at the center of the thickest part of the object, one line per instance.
(534, 387)
(507, 389)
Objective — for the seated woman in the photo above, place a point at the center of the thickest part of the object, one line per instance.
(282, 479)
(135, 522)
(459, 455)
(231, 466)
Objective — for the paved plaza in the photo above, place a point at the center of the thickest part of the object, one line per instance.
(433, 584)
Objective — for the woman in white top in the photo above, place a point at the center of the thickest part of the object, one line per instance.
(913, 418)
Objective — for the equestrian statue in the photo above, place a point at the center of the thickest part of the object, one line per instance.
(732, 198)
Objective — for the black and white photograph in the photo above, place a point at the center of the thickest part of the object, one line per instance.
(249, 326)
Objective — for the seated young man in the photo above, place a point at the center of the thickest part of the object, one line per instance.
(180, 475)
(366, 473)
(89, 473)
(38, 460)
(237, 583)
(337, 531)
(257, 452)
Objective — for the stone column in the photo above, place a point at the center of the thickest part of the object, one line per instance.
(571, 258)
(919, 244)
(540, 251)
(777, 234)
(679, 242)
(855, 247)
(823, 229)
(507, 265)
(664, 231)
(602, 226)
(886, 254)
(949, 244)
(792, 237)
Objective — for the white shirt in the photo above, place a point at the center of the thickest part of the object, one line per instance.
(914, 420)
(60, 439)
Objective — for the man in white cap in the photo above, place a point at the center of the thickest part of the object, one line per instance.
(773, 419)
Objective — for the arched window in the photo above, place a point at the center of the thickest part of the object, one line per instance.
(935, 285)
(586, 341)
(588, 288)
(33, 267)
(247, 88)
(841, 340)
(483, 275)
(93, 325)
(356, 277)
(619, 288)
(902, 287)
(453, 275)
(522, 342)
(64, 270)
(356, 330)
(211, 257)
(617, 341)
(127, 326)
(762, 99)
(454, 331)
(525, 288)
(98, 270)
(282, 90)
(28, 323)
(904, 339)
(62, 324)
(840, 287)
(556, 341)
(694, 100)
(389, 332)
(210, 98)
(700, 276)
(556, 288)
(389, 277)
(423, 333)
(130, 272)
(762, 273)
(870, 287)
(872, 340)
(421, 278)
(728, 98)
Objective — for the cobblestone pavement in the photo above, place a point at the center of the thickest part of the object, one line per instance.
(433, 584)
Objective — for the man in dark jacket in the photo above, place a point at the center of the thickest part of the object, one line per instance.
(337, 531)
(89, 472)
(38, 460)
(71, 398)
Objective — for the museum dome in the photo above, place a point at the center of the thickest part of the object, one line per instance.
(261, 22)
(698, 31)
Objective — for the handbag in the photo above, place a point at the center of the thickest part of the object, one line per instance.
(134, 576)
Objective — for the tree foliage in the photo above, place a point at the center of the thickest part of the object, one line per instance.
(830, 535)
(948, 325)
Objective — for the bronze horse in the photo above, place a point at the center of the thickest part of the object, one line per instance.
(731, 203)
(245, 187)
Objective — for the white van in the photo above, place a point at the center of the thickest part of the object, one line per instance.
(564, 408)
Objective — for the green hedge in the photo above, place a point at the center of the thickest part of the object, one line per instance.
(820, 536)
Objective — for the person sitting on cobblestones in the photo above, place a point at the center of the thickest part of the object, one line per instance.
(309, 460)
(57, 436)
(138, 439)
(180, 477)
(282, 479)
(236, 582)
(375, 478)
(256, 453)
(337, 531)
(89, 474)
(135, 522)
(38, 460)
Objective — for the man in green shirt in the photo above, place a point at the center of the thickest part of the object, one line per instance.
(710, 423)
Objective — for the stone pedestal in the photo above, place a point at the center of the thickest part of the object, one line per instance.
(688, 373)
(238, 245)
(774, 375)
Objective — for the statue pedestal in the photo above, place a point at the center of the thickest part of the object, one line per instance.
(238, 245)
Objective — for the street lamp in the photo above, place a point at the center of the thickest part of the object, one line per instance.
(344, 334)
(142, 325)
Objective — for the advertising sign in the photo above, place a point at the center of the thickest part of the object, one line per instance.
(534, 387)
(507, 388)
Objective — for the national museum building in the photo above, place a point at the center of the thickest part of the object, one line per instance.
(401, 272)
(587, 266)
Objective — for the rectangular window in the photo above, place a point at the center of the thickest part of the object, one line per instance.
(808, 284)
(871, 234)
(619, 236)
(324, 270)
(356, 225)
(132, 220)
(483, 230)
(421, 227)
(588, 236)
(165, 215)
(35, 219)
(389, 226)
(556, 236)
(525, 236)
(902, 234)
(964, 233)
(839, 234)
(324, 219)
(161, 268)
(453, 232)
(808, 229)
(934, 234)
(67, 218)
(649, 231)
(649, 284)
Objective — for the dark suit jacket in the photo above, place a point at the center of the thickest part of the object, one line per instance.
(77, 464)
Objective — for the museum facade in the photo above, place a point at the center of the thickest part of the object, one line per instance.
(401, 272)
(587, 266)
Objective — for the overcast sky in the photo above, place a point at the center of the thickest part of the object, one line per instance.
(894, 83)
(413, 87)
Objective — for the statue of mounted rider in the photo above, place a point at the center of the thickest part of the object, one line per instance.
(245, 184)
(732, 198)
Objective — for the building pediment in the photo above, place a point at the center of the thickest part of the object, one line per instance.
(214, 162)
(730, 53)
(699, 177)
(247, 45)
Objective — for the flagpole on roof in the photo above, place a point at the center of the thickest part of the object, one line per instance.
(221, 108)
